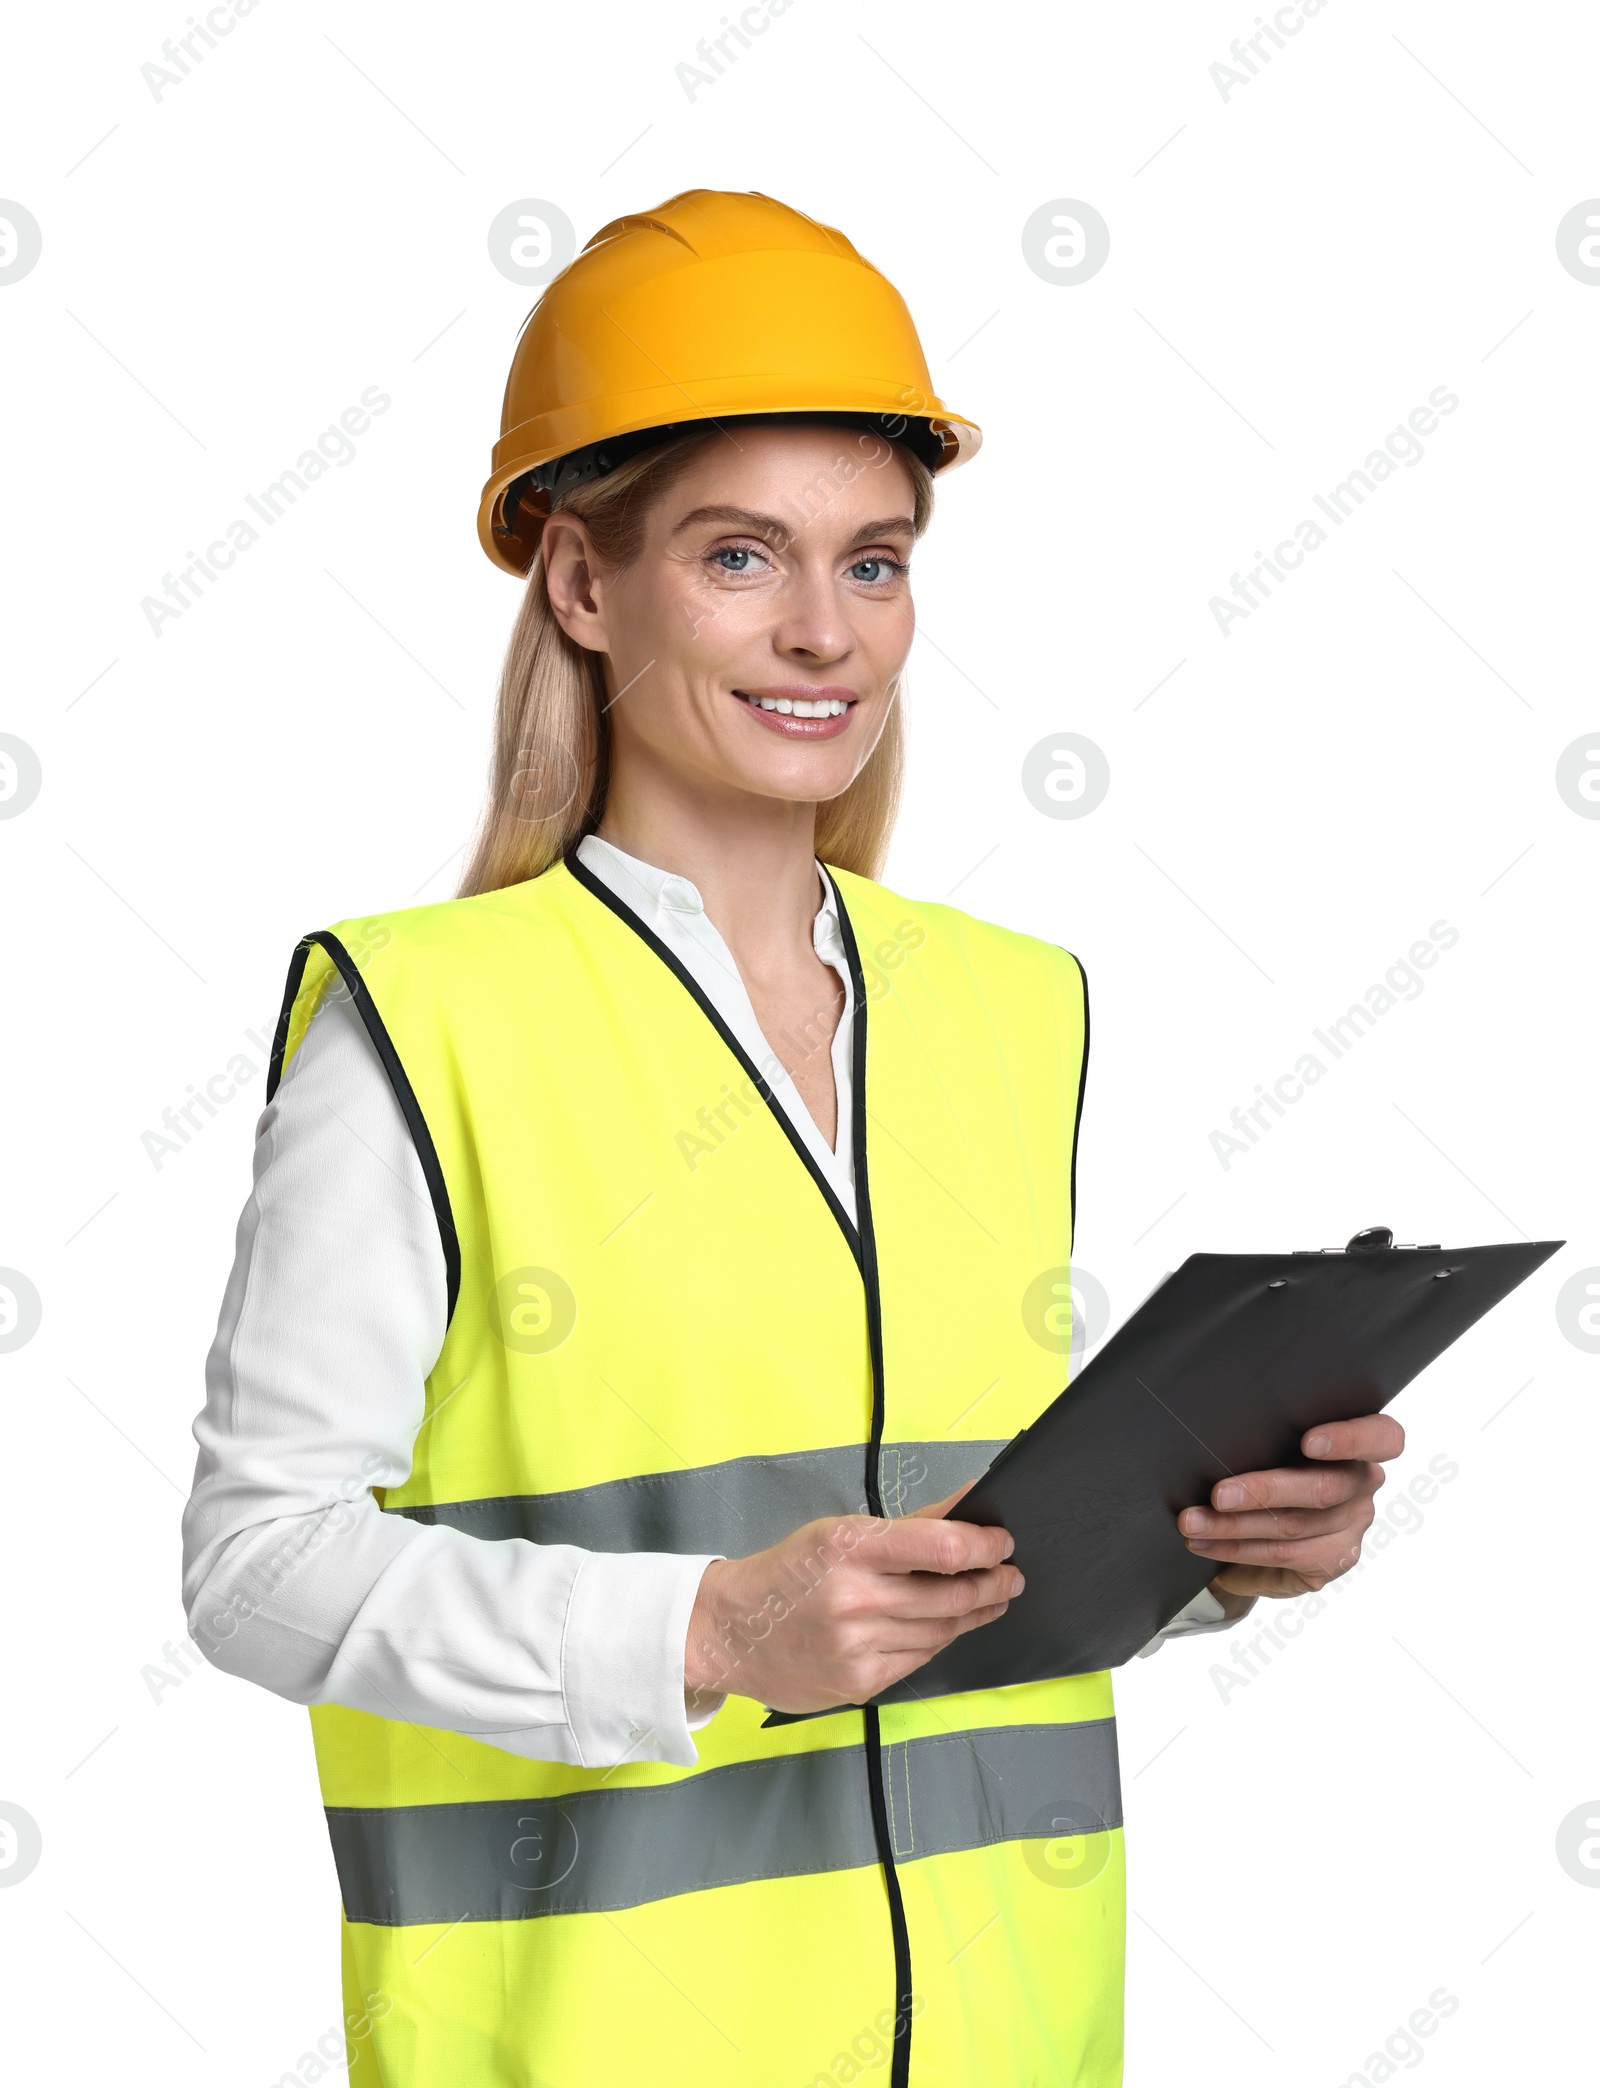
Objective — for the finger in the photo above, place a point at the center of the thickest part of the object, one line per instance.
(1267, 1522)
(886, 1664)
(974, 1618)
(1296, 1486)
(1324, 1557)
(1371, 1436)
(928, 1636)
(914, 1545)
(908, 1647)
(945, 1594)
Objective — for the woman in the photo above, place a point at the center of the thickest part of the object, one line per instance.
(637, 1247)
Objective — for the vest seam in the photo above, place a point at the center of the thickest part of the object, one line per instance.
(888, 1785)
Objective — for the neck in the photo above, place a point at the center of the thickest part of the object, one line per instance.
(752, 860)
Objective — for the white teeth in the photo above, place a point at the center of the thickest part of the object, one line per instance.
(823, 707)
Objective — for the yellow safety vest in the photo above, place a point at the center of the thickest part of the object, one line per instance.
(667, 1335)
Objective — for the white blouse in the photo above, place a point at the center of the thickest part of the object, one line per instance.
(333, 1317)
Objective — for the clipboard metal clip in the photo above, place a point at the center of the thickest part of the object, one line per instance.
(1375, 1239)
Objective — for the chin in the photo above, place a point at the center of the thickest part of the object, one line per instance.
(799, 781)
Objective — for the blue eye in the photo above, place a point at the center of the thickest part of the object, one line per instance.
(737, 560)
(872, 572)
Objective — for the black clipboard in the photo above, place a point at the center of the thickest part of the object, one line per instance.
(1222, 1369)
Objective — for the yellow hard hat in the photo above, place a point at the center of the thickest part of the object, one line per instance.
(715, 305)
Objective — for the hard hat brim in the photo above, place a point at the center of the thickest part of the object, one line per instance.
(552, 435)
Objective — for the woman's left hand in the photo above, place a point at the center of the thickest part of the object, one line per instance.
(1290, 1532)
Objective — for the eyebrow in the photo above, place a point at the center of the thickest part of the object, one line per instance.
(770, 526)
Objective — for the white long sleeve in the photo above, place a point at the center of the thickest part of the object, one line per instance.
(1205, 1613)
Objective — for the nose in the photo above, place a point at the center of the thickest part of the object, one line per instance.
(812, 626)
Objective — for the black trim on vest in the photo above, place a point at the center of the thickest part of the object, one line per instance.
(291, 993)
(869, 1243)
(404, 1094)
(1077, 1120)
(864, 1247)
(900, 2065)
(624, 913)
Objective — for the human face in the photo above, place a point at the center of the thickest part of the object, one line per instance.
(755, 644)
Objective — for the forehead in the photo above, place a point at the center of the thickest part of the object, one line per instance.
(824, 480)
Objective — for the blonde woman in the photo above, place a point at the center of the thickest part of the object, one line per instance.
(637, 1248)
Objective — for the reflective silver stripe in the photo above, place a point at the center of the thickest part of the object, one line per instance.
(737, 1507)
(785, 1816)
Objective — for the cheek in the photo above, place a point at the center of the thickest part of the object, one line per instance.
(669, 643)
(884, 631)
(714, 628)
(696, 629)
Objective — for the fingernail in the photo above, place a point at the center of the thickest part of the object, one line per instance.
(1018, 1585)
(1193, 1521)
(1318, 1445)
(1011, 1545)
(1230, 1496)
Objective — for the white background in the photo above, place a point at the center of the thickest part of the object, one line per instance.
(1291, 271)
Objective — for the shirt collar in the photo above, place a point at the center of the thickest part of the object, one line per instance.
(643, 882)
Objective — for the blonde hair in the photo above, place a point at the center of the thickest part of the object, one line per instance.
(550, 768)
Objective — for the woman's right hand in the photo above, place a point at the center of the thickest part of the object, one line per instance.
(843, 1607)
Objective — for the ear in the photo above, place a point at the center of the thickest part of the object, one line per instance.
(573, 581)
